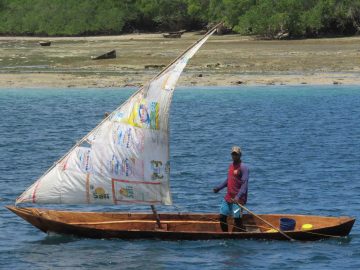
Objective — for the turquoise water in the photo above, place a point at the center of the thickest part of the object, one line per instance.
(302, 145)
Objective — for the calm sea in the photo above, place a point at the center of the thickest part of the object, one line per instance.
(302, 145)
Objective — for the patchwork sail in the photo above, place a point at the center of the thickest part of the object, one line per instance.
(125, 159)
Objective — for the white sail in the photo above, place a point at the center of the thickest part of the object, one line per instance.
(126, 158)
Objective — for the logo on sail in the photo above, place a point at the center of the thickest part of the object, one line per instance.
(144, 114)
(124, 137)
(136, 191)
(129, 167)
(84, 159)
(101, 194)
(129, 137)
(127, 191)
(154, 115)
(157, 170)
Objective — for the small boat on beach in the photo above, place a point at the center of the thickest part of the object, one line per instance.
(172, 35)
(109, 55)
(181, 226)
(45, 43)
(176, 34)
(125, 160)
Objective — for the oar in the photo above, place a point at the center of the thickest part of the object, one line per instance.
(263, 220)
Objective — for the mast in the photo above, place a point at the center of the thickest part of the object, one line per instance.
(157, 217)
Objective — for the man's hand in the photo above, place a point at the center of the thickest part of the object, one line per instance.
(216, 190)
(239, 200)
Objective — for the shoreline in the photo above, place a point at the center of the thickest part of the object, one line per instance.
(230, 60)
(74, 81)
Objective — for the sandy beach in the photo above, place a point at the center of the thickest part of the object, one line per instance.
(222, 61)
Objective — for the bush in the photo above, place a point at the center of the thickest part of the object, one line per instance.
(265, 18)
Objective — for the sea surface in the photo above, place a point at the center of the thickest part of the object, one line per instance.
(302, 145)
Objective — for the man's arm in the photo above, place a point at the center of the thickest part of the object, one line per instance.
(221, 186)
(244, 184)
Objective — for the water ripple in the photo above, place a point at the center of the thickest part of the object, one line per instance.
(301, 144)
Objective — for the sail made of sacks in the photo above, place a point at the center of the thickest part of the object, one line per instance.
(125, 159)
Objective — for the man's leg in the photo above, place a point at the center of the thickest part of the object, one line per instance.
(238, 223)
(224, 212)
(239, 226)
(223, 223)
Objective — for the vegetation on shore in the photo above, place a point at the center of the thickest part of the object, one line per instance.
(267, 18)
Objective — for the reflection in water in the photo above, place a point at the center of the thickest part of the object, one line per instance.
(54, 239)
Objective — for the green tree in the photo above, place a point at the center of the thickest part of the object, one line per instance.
(259, 17)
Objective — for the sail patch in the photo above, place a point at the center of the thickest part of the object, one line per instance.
(143, 114)
(80, 160)
(99, 189)
(126, 167)
(128, 137)
(125, 191)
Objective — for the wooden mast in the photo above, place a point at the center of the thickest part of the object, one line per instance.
(157, 217)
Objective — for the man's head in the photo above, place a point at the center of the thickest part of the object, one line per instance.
(236, 153)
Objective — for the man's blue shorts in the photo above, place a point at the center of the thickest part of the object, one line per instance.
(230, 209)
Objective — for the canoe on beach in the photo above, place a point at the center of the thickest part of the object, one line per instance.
(45, 43)
(109, 55)
(178, 226)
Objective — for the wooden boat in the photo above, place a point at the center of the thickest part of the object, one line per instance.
(173, 35)
(182, 226)
(108, 55)
(45, 43)
(125, 160)
(176, 34)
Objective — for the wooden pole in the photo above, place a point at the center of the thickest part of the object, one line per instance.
(156, 216)
(263, 220)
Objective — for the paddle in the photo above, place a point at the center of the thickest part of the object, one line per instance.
(263, 220)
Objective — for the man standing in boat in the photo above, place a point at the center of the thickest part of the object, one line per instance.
(237, 188)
